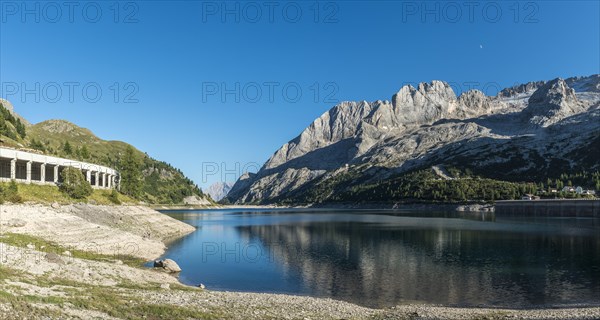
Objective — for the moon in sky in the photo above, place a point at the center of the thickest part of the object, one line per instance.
(480, 46)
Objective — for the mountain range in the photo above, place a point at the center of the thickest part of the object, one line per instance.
(537, 132)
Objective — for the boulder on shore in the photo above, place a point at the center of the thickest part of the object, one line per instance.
(54, 258)
(167, 265)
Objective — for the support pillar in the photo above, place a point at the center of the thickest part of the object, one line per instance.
(88, 176)
(97, 179)
(55, 174)
(43, 173)
(104, 180)
(13, 169)
(28, 171)
(108, 181)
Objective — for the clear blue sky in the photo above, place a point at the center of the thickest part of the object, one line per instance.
(175, 52)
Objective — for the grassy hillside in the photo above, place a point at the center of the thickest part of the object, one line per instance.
(50, 194)
(163, 184)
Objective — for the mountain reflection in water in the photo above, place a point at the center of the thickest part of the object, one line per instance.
(381, 260)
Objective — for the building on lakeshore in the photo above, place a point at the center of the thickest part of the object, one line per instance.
(30, 167)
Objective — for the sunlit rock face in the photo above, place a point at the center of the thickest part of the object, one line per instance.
(429, 125)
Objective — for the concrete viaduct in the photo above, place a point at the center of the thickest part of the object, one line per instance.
(29, 167)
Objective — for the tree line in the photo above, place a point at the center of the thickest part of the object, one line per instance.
(7, 118)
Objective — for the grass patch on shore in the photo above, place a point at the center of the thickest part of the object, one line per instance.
(117, 305)
(23, 240)
(45, 194)
(156, 287)
(112, 301)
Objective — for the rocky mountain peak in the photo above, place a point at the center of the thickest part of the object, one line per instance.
(8, 106)
(410, 96)
(425, 104)
(585, 84)
(473, 103)
(473, 97)
(63, 126)
(552, 102)
(219, 190)
(376, 140)
(555, 92)
(520, 89)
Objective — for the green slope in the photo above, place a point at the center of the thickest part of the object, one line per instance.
(163, 184)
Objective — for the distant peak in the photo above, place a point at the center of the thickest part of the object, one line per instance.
(472, 93)
(554, 92)
(435, 85)
(528, 87)
(552, 102)
(433, 90)
(61, 126)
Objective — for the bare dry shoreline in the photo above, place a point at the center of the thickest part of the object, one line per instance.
(38, 284)
(473, 207)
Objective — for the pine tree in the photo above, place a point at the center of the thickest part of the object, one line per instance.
(20, 128)
(3, 126)
(84, 152)
(131, 173)
(37, 145)
(74, 183)
(67, 149)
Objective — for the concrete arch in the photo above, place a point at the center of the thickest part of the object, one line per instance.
(30, 167)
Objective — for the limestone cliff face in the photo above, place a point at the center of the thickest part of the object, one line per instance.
(552, 102)
(420, 125)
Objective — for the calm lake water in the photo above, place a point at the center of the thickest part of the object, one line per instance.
(383, 258)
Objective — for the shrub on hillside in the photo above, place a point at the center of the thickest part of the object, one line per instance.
(10, 193)
(114, 197)
(74, 184)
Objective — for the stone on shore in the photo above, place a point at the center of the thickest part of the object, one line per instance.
(167, 265)
(54, 258)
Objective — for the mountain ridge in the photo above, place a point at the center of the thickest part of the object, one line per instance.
(417, 125)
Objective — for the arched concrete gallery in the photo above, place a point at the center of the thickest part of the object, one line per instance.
(29, 167)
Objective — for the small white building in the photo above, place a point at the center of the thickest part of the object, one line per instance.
(568, 189)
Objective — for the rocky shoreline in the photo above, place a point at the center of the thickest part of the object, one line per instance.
(473, 207)
(59, 262)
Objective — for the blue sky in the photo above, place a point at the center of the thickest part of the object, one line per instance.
(162, 66)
